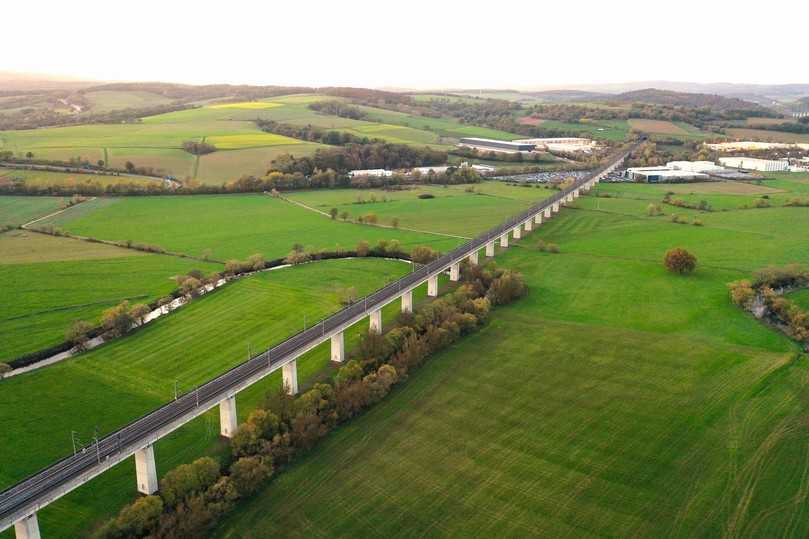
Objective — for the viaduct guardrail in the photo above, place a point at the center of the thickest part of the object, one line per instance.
(20, 503)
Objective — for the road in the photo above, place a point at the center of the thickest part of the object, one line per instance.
(54, 481)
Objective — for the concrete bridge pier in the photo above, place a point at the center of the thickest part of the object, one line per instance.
(228, 420)
(547, 213)
(576, 193)
(432, 286)
(146, 470)
(490, 249)
(27, 528)
(290, 374)
(538, 219)
(504, 240)
(555, 207)
(375, 319)
(570, 197)
(518, 232)
(407, 302)
(338, 347)
(529, 225)
(473, 258)
(455, 273)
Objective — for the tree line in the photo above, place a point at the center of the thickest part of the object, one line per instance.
(193, 497)
(338, 108)
(313, 133)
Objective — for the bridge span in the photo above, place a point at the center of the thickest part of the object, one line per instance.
(19, 504)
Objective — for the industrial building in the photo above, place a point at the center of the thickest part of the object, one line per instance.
(560, 144)
(371, 172)
(706, 167)
(741, 146)
(753, 163)
(663, 174)
(491, 145)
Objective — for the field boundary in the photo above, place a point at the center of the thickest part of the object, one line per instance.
(378, 225)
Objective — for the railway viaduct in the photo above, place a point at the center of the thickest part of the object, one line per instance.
(19, 504)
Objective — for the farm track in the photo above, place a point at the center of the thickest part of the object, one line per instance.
(431, 232)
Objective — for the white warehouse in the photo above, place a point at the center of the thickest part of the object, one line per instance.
(753, 163)
(706, 167)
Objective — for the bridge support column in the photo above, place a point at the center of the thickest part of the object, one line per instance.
(518, 232)
(504, 240)
(290, 374)
(473, 258)
(529, 225)
(407, 302)
(576, 193)
(375, 319)
(27, 528)
(455, 273)
(432, 286)
(145, 470)
(556, 207)
(338, 347)
(547, 213)
(490, 249)
(570, 197)
(228, 420)
(538, 218)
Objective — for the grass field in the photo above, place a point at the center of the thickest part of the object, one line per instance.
(452, 211)
(106, 100)
(801, 297)
(156, 141)
(657, 127)
(444, 127)
(601, 129)
(230, 226)
(133, 375)
(49, 282)
(44, 179)
(15, 211)
(767, 136)
(615, 400)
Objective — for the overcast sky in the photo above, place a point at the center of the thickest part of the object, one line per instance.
(412, 44)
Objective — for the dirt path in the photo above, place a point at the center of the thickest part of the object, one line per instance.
(24, 226)
(310, 208)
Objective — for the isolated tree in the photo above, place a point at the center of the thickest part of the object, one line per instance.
(129, 166)
(78, 334)
(333, 212)
(344, 215)
(100, 163)
(680, 261)
(29, 155)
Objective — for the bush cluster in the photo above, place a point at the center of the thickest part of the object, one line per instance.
(678, 260)
(547, 247)
(194, 496)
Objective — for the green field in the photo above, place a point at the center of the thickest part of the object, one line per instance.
(106, 100)
(597, 129)
(109, 386)
(38, 178)
(444, 127)
(49, 282)
(615, 400)
(229, 226)
(452, 211)
(156, 141)
(18, 210)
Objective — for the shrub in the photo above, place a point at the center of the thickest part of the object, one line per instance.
(187, 479)
(761, 203)
(742, 293)
(248, 473)
(696, 222)
(426, 196)
(422, 254)
(680, 261)
(78, 334)
(506, 288)
(653, 210)
(333, 213)
(363, 249)
(781, 276)
(297, 257)
(547, 247)
(137, 519)
(347, 296)
(4, 368)
(117, 320)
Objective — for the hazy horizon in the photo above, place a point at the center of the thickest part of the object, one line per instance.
(419, 46)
